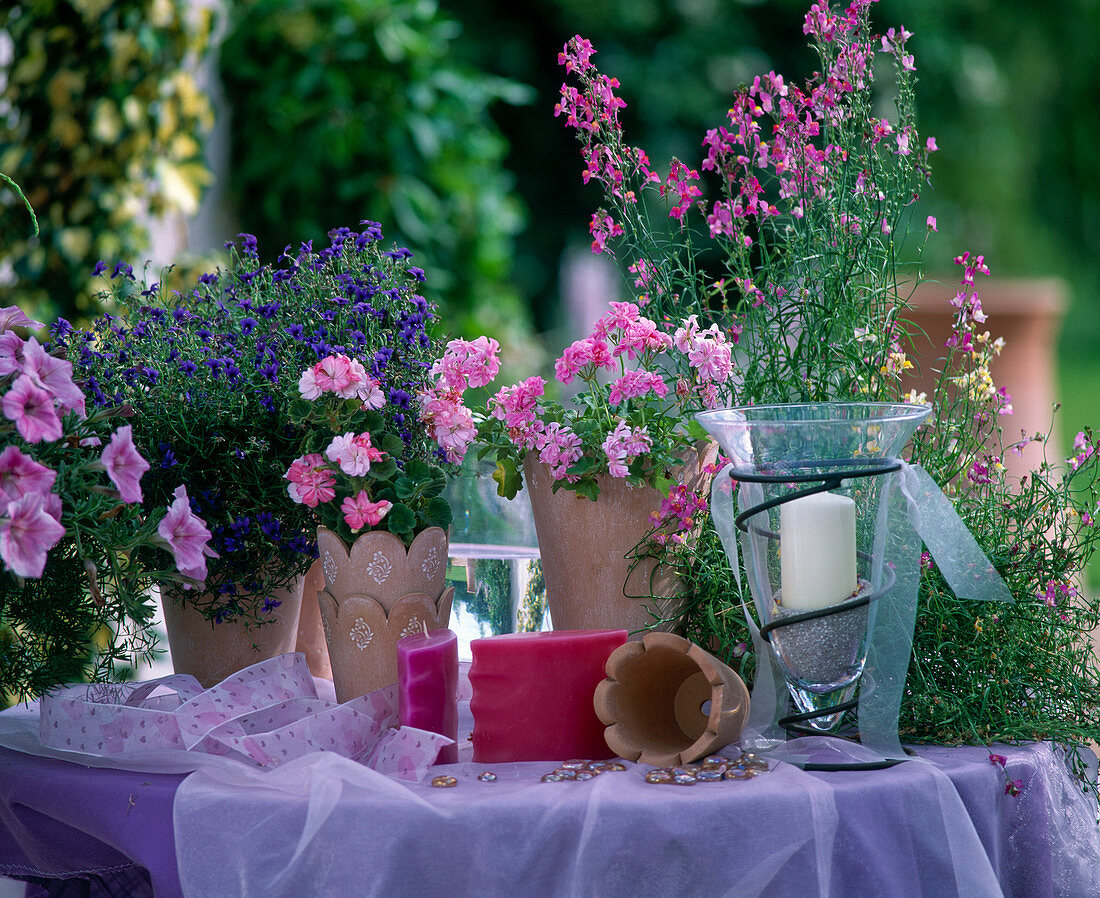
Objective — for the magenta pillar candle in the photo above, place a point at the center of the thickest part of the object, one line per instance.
(427, 678)
(532, 695)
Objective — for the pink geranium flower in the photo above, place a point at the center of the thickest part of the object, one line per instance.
(32, 410)
(29, 528)
(311, 482)
(21, 475)
(124, 464)
(334, 374)
(187, 536)
(353, 453)
(360, 512)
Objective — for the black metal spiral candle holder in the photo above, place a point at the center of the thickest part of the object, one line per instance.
(836, 472)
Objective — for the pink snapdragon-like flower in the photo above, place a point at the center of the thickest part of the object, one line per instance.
(636, 384)
(353, 453)
(21, 475)
(468, 363)
(124, 464)
(32, 410)
(187, 536)
(360, 512)
(311, 482)
(53, 375)
(29, 528)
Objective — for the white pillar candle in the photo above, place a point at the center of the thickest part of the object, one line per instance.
(817, 555)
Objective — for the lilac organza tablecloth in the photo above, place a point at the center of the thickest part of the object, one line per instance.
(324, 825)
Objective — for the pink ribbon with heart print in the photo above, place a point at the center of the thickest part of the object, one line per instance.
(264, 715)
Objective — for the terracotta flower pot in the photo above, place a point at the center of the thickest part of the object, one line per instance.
(591, 582)
(375, 592)
(666, 701)
(210, 652)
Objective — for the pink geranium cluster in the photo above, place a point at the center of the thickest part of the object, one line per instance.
(343, 376)
(642, 381)
(45, 407)
(353, 467)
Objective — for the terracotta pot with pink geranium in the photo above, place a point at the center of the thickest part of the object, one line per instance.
(622, 470)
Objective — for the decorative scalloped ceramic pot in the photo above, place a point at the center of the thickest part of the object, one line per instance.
(375, 592)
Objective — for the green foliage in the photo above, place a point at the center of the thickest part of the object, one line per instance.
(103, 124)
(352, 109)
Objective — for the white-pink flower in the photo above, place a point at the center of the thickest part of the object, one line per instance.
(623, 445)
(308, 386)
(353, 453)
(29, 528)
(124, 464)
(712, 360)
(187, 536)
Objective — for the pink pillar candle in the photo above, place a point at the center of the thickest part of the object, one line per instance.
(427, 677)
(532, 695)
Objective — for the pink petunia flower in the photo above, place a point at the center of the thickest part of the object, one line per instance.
(21, 475)
(11, 353)
(53, 375)
(32, 410)
(13, 316)
(124, 464)
(187, 536)
(360, 512)
(29, 528)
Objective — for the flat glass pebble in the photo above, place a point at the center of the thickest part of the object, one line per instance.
(684, 779)
(575, 764)
(715, 760)
(585, 775)
(444, 782)
(614, 765)
(658, 776)
(552, 778)
(709, 776)
(566, 773)
(753, 761)
(487, 777)
(736, 773)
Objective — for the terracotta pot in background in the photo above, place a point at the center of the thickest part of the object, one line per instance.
(210, 652)
(591, 583)
(374, 593)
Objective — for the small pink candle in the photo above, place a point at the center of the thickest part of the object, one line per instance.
(427, 677)
(532, 695)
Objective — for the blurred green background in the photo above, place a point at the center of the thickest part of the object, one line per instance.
(437, 120)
